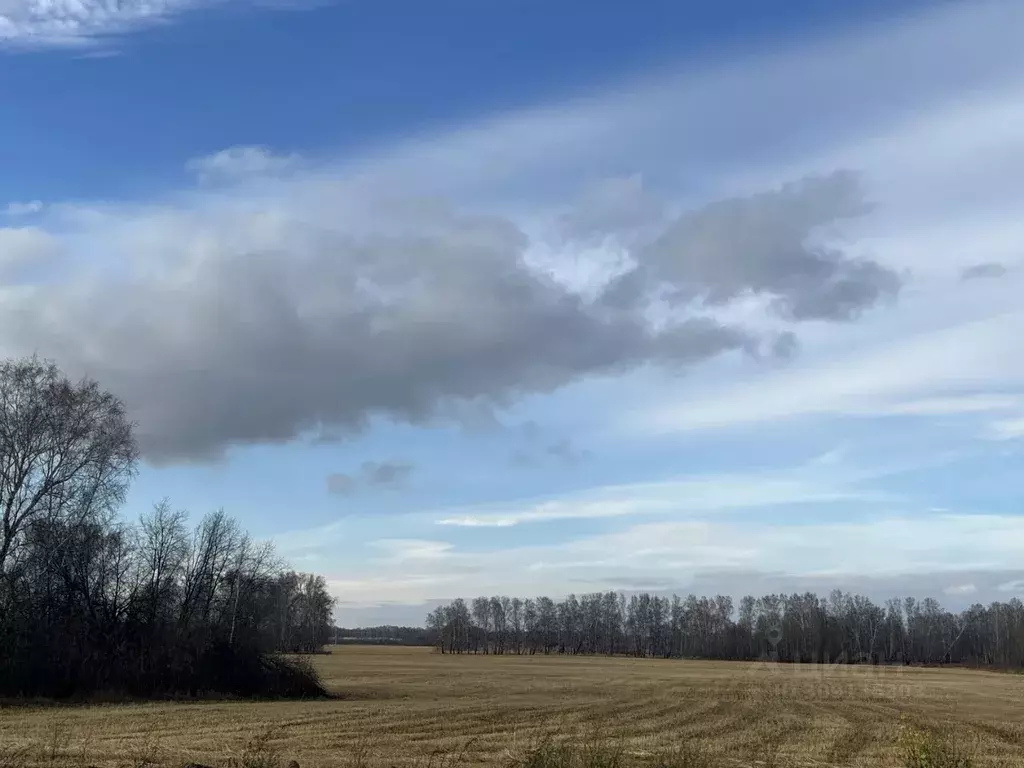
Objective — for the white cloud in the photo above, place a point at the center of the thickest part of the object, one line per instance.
(685, 496)
(25, 247)
(15, 209)
(960, 589)
(355, 590)
(940, 406)
(1006, 429)
(236, 163)
(306, 542)
(44, 23)
(412, 550)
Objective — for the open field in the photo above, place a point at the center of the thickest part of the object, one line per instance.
(401, 704)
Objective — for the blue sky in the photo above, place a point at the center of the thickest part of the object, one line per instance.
(541, 297)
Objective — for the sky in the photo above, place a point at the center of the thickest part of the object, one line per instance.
(523, 297)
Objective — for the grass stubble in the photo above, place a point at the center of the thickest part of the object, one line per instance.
(409, 707)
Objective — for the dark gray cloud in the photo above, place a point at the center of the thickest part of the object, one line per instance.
(387, 473)
(983, 271)
(237, 326)
(372, 474)
(764, 244)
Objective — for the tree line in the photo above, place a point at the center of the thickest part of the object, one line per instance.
(92, 603)
(840, 628)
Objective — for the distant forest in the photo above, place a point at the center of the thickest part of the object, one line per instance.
(842, 628)
(384, 635)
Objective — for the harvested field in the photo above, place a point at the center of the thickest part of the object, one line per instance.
(398, 706)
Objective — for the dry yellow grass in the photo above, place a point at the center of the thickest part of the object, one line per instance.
(401, 704)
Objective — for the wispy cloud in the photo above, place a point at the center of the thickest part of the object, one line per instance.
(941, 406)
(882, 544)
(902, 377)
(1007, 429)
(960, 589)
(34, 24)
(406, 550)
(815, 483)
(932, 552)
(46, 23)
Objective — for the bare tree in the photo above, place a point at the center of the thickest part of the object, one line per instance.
(66, 449)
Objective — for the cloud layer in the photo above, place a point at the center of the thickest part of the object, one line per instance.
(263, 307)
(270, 308)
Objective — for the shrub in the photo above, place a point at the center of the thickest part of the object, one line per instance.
(928, 748)
(249, 673)
(259, 752)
